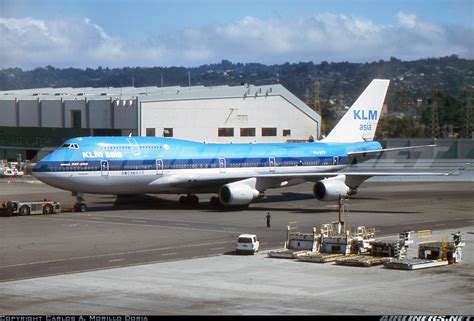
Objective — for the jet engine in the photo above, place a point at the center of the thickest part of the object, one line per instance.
(330, 189)
(237, 194)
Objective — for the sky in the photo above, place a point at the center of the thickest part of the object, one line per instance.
(146, 33)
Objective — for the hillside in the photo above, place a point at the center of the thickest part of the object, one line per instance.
(416, 85)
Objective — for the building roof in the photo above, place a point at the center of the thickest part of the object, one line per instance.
(153, 93)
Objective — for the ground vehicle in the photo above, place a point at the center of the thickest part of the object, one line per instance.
(247, 243)
(10, 172)
(6, 172)
(27, 208)
(16, 172)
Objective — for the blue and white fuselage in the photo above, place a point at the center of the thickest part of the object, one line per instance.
(238, 173)
(130, 165)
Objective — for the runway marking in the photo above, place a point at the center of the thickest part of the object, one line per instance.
(116, 260)
(150, 219)
(166, 254)
(430, 221)
(129, 224)
(115, 254)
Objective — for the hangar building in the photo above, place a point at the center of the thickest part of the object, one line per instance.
(44, 117)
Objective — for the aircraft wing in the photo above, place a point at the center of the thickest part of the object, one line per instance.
(212, 182)
(355, 178)
(377, 151)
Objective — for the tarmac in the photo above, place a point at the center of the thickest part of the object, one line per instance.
(153, 256)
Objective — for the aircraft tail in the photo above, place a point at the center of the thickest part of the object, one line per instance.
(360, 122)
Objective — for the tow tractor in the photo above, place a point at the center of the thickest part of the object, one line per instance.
(26, 208)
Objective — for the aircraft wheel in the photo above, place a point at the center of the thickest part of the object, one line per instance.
(215, 202)
(189, 200)
(80, 207)
(193, 200)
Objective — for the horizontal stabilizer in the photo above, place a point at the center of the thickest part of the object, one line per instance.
(377, 151)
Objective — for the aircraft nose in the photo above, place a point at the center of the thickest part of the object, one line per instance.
(44, 164)
(39, 165)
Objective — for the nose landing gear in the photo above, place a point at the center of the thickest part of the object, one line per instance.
(80, 206)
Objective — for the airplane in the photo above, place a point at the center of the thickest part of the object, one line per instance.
(236, 173)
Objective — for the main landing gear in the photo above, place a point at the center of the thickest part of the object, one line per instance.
(80, 206)
(189, 200)
(216, 203)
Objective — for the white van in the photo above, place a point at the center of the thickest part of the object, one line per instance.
(247, 243)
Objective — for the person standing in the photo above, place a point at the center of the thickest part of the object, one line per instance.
(269, 218)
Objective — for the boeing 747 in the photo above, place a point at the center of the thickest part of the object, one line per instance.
(236, 173)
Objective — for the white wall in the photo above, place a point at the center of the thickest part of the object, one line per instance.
(100, 113)
(28, 113)
(51, 113)
(8, 113)
(199, 119)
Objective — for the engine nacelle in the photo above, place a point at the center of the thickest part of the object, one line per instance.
(330, 189)
(237, 194)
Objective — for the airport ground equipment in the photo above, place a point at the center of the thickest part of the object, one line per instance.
(30, 208)
(431, 253)
(385, 249)
(335, 242)
(332, 241)
(320, 257)
(10, 169)
(413, 264)
(362, 260)
(297, 243)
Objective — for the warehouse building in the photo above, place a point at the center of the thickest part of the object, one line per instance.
(36, 118)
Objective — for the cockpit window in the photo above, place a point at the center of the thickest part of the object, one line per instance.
(73, 146)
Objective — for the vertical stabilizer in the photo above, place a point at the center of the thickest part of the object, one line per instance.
(360, 122)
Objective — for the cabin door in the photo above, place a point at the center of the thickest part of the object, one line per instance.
(222, 165)
(134, 146)
(159, 167)
(272, 162)
(104, 168)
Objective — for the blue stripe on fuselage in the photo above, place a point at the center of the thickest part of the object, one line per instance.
(120, 165)
(122, 154)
